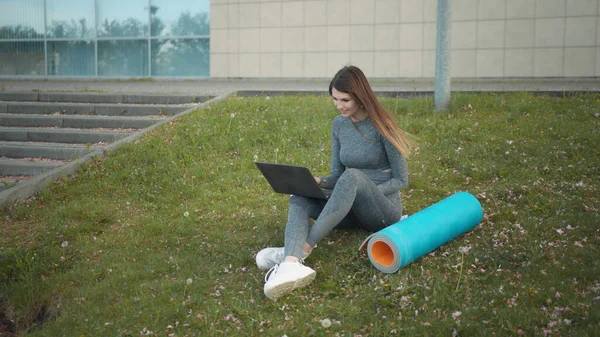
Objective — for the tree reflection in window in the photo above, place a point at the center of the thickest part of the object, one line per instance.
(178, 41)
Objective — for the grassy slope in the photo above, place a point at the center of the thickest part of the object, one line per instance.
(159, 237)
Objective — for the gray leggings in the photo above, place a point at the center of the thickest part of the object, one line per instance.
(354, 203)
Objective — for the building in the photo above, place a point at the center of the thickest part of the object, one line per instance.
(296, 38)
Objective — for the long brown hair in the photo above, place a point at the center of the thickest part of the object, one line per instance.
(351, 80)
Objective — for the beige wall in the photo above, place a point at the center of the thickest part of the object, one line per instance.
(396, 38)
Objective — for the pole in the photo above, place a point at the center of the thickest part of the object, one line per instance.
(442, 55)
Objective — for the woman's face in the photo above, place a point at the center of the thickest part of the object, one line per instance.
(348, 106)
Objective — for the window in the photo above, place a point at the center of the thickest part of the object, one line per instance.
(106, 38)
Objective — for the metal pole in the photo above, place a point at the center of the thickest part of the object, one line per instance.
(149, 38)
(96, 26)
(442, 55)
(46, 39)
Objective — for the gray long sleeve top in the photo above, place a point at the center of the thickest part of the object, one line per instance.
(360, 146)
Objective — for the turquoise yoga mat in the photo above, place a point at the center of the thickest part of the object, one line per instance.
(399, 244)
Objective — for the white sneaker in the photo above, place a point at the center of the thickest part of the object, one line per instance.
(272, 256)
(287, 276)
(269, 257)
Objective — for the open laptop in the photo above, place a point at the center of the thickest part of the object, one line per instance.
(290, 179)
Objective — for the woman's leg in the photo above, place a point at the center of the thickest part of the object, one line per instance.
(300, 211)
(291, 273)
(355, 191)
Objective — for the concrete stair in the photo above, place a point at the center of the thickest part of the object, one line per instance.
(12, 182)
(97, 97)
(61, 135)
(56, 151)
(108, 109)
(44, 133)
(18, 167)
(77, 122)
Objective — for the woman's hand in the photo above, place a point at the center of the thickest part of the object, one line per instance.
(318, 180)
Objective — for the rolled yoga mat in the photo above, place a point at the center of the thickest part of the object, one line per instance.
(407, 240)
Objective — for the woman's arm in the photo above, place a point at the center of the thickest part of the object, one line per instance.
(399, 168)
(337, 168)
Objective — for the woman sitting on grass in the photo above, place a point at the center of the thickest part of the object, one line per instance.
(368, 169)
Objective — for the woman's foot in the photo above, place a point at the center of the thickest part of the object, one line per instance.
(269, 257)
(286, 277)
(272, 256)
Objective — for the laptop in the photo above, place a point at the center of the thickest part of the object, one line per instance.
(290, 179)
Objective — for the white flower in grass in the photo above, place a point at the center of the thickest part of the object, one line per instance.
(232, 115)
(189, 281)
(186, 214)
(456, 314)
(464, 249)
(255, 157)
(326, 323)
(64, 244)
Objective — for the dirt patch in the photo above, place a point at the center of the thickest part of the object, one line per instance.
(7, 326)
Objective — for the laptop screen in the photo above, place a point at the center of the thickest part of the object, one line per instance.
(290, 179)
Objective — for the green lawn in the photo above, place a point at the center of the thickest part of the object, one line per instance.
(158, 238)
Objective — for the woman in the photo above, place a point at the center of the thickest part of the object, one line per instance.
(368, 169)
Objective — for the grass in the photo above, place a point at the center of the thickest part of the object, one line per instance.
(158, 238)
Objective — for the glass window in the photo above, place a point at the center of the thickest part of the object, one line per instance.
(106, 38)
(180, 18)
(71, 58)
(70, 18)
(181, 57)
(22, 58)
(21, 19)
(119, 18)
(123, 58)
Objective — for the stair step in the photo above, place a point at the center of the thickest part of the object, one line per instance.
(83, 97)
(10, 181)
(61, 135)
(19, 96)
(103, 109)
(77, 122)
(18, 167)
(57, 151)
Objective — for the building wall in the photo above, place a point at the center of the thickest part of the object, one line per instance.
(396, 38)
